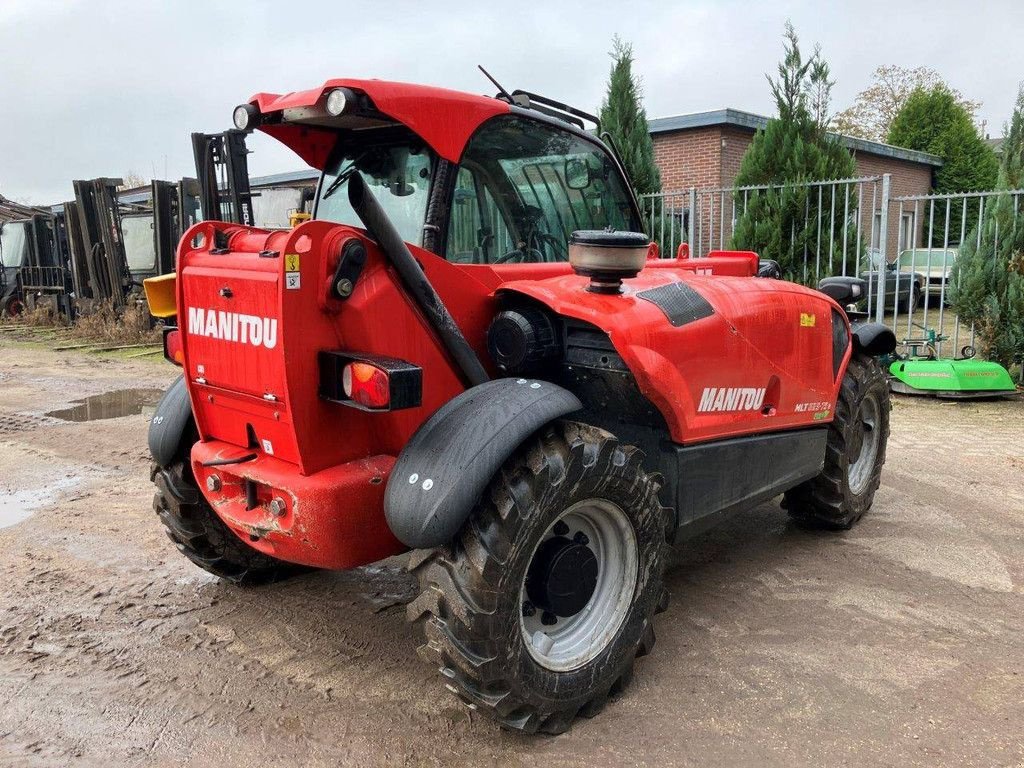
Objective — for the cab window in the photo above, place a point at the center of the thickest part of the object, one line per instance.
(478, 232)
(397, 171)
(524, 186)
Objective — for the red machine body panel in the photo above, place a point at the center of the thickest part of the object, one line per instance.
(443, 118)
(728, 374)
(330, 519)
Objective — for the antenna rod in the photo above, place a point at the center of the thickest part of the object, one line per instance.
(497, 85)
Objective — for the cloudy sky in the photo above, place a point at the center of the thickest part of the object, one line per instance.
(103, 87)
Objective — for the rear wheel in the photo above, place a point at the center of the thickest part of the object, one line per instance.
(854, 454)
(14, 307)
(203, 537)
(536, 612)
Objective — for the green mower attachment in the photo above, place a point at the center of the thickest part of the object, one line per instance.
(922, 372)
(955, 379)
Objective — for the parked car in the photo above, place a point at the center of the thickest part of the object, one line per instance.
(908, 286)
(935, 264)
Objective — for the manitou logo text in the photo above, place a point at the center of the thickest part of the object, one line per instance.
(730, 399)
(233, 326)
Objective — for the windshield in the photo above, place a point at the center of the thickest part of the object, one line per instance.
(524, 186)
(922, 257)
(398, 175)
(139, 247)
(13, 243)
(272, 208)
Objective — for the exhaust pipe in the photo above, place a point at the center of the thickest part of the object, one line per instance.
(415, 281)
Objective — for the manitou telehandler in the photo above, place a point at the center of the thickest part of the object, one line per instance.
(471, 351)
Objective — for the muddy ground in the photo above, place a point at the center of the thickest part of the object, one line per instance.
(899, 643)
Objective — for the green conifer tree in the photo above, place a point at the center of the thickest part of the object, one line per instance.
(782, 222)
(624, 118)
(987, 286)
(935, 121)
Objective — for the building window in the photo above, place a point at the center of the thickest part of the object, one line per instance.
(907, 231)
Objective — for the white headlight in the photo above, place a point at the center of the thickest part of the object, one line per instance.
(242, 115)
(337, 100)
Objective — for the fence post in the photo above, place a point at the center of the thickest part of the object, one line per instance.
(691, 224)
(883, 236)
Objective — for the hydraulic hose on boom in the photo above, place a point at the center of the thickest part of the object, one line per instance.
(416, 283)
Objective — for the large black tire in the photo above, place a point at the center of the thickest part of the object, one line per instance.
(844, 491)
(471, 596)
(14, 307)
(203, 537)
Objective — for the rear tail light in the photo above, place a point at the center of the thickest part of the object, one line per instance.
(370, 383)
(174, 352)
(366, 384)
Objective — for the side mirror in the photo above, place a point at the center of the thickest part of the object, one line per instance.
(577, 174)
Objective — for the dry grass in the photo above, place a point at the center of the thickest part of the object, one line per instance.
(43, 316)
(103, 324)
(131, 325)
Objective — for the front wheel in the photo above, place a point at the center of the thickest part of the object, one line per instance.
(854, 452)
(536, 612)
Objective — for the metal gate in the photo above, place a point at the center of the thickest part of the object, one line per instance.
(903, 247)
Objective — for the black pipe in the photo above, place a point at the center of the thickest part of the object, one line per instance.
(415, 281)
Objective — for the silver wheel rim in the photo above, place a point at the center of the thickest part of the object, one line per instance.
(861, 469)
(576, 640)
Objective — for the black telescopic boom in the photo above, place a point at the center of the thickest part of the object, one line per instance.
(415, 281)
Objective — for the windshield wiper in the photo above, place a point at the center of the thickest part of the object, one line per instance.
(343, 176)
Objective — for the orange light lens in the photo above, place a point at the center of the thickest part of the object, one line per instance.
(366, 384)
(173, 350)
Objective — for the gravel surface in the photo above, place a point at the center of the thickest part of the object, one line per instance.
(898, 643)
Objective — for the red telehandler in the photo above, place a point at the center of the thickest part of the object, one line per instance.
(472, 351)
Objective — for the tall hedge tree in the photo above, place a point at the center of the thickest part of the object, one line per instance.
(988, 277)
(935, 121)
(785, 221)
(871, 115)
(623, 116)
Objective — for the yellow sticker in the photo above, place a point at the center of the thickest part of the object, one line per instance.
(291, 263)
(807, 320)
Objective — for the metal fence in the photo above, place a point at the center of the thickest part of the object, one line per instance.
(903, 247)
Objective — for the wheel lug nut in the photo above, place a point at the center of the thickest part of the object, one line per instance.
(213, 483)
(581, 538)
(277, 507)
(528, 609)
(560, 528)
(548, 618)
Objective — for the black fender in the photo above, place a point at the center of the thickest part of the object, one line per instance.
(873, 338)
(170, 423)
(448, 463)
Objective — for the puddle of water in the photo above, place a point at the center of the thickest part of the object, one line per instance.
(111, 405)
(18, 506)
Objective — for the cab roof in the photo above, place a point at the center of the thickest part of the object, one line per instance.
(443, 118)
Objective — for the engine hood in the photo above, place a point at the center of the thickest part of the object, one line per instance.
(684, 335)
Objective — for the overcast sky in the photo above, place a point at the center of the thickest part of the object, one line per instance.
(103, 87)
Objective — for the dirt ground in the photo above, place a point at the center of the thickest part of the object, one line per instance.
(899, 643)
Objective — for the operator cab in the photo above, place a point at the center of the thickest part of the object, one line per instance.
(139, 245)
(15, 241)
(15, 253)
(524, 183)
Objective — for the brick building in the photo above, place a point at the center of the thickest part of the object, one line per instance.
(704, 150)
